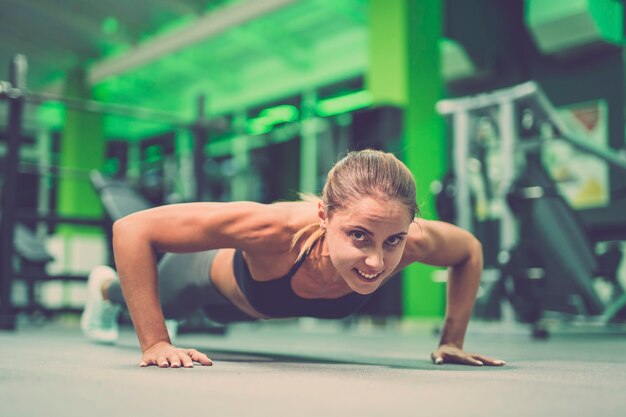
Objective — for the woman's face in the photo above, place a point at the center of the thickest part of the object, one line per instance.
(366, 240)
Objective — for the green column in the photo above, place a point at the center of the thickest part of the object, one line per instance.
(405, 70)
(82, 149)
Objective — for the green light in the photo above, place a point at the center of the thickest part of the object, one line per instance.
(51, 115)
(345, 103)
(284, 113)
(154, 154)
(111, 166)
(609, 18)
(270, 117)
(258, 126)
(110, 25)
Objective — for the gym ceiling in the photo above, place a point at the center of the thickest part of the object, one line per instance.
(159, 53)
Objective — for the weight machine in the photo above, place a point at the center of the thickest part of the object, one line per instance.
(539, 255)
(15, 93)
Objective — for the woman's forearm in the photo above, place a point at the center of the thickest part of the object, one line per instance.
(136, 265)
(463, 283)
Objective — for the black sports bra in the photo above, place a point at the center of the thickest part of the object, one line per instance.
(276, 298)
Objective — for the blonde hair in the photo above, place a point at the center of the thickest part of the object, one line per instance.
(365, 173)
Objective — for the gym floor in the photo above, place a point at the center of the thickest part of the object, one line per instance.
(313, 368)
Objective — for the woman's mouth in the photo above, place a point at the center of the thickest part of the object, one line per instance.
(366, 277)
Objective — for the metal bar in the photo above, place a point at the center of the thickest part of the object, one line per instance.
(45, 277)
(18, 71)
(240, 182)
(200, 133)
(9, 90)
(309, 144)
(44, 139)
(483, 100)
(508, 127)
(98, 107)
(54, 219)
(47, 311)
(461, 122)
(48, 171)
(608, 155)
(532, 90)
(239, 150)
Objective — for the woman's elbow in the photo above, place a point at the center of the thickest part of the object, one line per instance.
(119, 226)
(475, 251)
(126, 228)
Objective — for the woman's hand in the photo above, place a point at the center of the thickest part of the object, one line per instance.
(164, 355)
(453, 354)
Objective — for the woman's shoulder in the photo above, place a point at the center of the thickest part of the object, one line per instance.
(271, 222)
(293, 214)
(438, 243)
(207, 225)
(282, 220)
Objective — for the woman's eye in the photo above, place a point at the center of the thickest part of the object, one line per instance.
(393, 240)
(356, 235)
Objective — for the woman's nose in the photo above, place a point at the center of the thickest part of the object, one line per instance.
(374, 260)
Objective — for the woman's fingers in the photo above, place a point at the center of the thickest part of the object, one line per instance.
(199, 357)
(147, 362)
(162, 362)
(437, 358)
(460, 357)
(470, 360)
(456, 356)
(490, 361)
(186, 360)
(175, 358)
(463, 360)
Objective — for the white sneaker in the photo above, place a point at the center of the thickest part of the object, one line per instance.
(99, 319)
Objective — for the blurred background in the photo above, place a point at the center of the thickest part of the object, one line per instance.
(509, 113)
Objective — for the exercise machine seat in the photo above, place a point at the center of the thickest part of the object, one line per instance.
(118, 197)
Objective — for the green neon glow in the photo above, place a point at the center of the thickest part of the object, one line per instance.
(609, 18)
(111, 166)
(285, 113)
(270, 117)
(224, 146)
(345, 103)
(51, 115)
(154, 154)
(213, 67)
(258, 126)
(110, 25)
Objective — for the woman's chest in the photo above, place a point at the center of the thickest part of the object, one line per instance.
(311, 279)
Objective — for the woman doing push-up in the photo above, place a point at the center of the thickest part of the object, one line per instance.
(244, 261)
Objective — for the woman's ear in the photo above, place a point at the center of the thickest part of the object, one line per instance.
(321, 213)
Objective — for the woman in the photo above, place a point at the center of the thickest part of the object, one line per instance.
(247, 261)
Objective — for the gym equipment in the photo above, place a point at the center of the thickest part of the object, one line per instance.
(31, 257)
(543, 259)
(118, 197)
(13, 91)
(16, 94)
(17, 76)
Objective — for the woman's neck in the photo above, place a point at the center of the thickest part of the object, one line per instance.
(321, 268)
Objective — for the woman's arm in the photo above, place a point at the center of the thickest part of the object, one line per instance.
(191, 227)
(443, 244)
